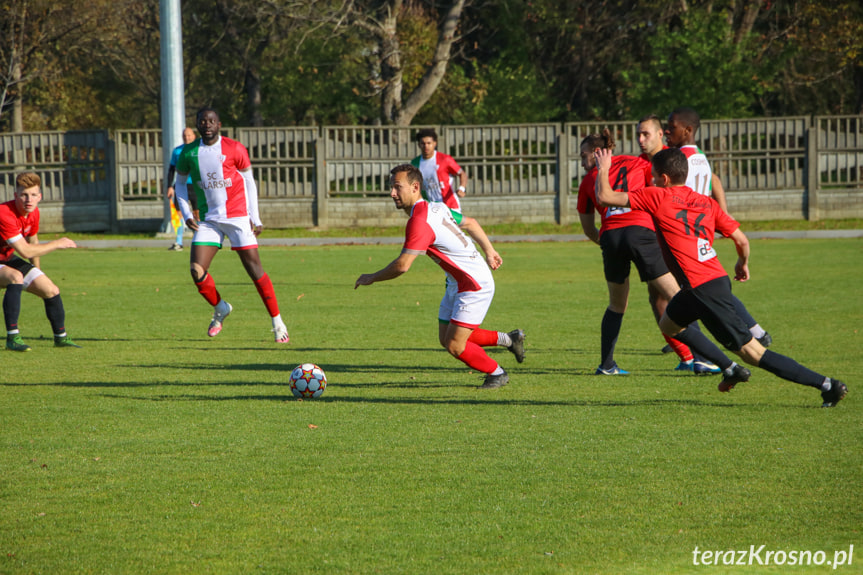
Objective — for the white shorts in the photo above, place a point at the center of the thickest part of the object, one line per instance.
(237, 230)
(467, 308)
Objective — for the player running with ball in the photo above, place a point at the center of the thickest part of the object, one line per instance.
(437, 231)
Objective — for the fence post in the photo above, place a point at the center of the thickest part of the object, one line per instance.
(563, 178)
(322, 184)
(112, 179)
(812, 211)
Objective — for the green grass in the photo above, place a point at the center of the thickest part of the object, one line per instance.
(154, 449)
(493, 229)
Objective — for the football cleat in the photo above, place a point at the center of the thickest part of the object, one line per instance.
(837, 391)
(16, 343)
(613, 371)
(517, 347)
(765, 339)
(495, 381)
(705, 368)
(666, 349)
(685, 366)
(281, 334)
(64, 341)
(220, 312)
(738, 374)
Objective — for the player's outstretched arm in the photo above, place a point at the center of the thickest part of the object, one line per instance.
(604, 194)
(475, 231)
(34, 250)
(741, 243)
(395, 268)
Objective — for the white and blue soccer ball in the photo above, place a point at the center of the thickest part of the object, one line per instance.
(308, 381)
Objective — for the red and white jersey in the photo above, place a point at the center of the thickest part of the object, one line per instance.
(215, 172)
(15, 226)
(686, 224)
(438, 172)
(700, 176)
(627, 174)
(433, 230)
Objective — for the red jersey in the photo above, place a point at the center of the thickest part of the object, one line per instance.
(14, 226)
(686, 225)
(627, 174)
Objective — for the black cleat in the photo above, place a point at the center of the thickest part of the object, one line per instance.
(738, 374)
(765, 339)
(666, 349)
(517, 347)
(495, 381)
(837, 391)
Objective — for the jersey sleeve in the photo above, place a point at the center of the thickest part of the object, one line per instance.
(182, 164)
(646, 199)
(241, 156)
(587, 193)
(418, 236)
(725, 224)
(8, 224)
(453, 166)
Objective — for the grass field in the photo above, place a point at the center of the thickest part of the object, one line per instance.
(154, 449)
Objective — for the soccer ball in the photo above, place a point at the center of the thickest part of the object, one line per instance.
(308, 381)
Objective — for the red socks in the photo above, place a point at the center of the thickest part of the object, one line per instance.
(483, 337)
(207, 288)
(475, 357)
(268, 294)
(681, 349)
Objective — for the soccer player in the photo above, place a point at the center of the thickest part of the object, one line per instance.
(188, 138)
(437, 169)
(680, 131)
(650, 133)
(626, 237)
(436, 230)
(227, 197)
(686, 223)
(19, 229)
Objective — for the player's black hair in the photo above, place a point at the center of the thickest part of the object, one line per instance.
(426, 133)
(596, 141)
(205, 109)
(672, 163)
(415, 176)
(688, 117)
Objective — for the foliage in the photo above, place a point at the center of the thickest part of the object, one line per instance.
(695, 62)
(155, 449)
(96, 64)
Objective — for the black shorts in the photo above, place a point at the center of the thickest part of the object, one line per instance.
(711, 303)
(19, 264)
(634, 244)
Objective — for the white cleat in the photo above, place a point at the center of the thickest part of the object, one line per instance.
(281, 334)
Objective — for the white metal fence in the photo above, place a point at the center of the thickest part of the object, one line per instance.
(812, 156)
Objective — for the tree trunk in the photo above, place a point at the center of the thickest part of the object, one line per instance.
(436, 72)
(17, 99)
(253, 96)
(391, 69)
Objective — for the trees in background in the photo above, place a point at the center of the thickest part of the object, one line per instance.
(297, 62)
